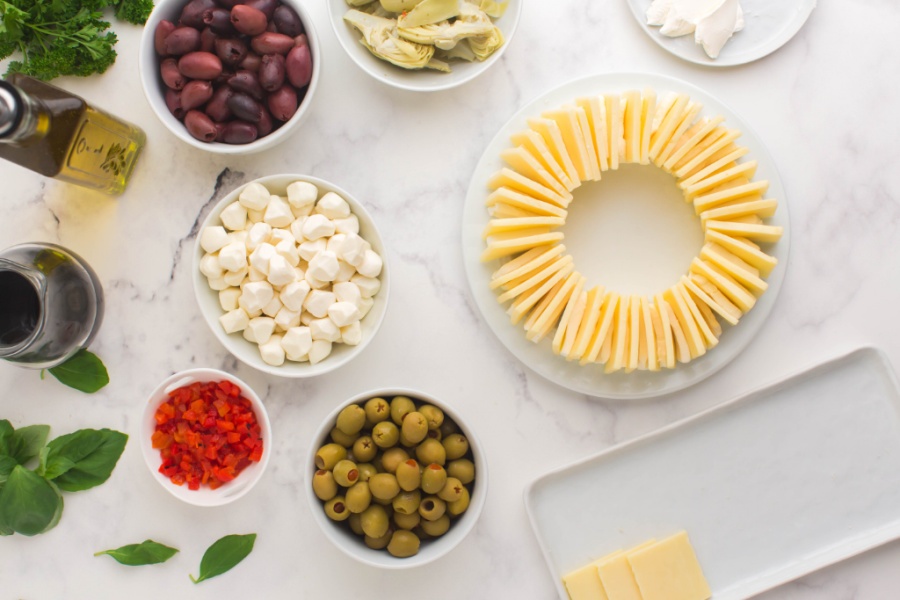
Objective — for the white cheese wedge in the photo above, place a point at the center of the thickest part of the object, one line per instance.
(519, 261)
(595, 109)
(588, 324)
(602, 331)
(503, 248)
(690, 139)
(514, 198)
(534, 143)
(541, 306)
(553, 137)
(587, 133)
(566, 119)
(523, 303)
(660, 338)
(648, 334)
(523, 162)
(496, 226)
(568, 313)
(634, 334)
(615, 129)
(744, 170)
(549, 317)
(631, 120)
(667, 119)
(702, 156)
(702, 307)
(682, 349)
(744, 273)
(687, 117)
(573, 326)
(712, 200)
(648, 113)
(763, 233)
(720, 164)
(731, 212)
(744, 249)
(710, 338)
(524, 264)
(506, 177)
(620, 337)
(535, 279)
(715, 158)
(733, 290)
(501, 210)
(669, 570)
(667, 357)
(703, 289)
(689, 326)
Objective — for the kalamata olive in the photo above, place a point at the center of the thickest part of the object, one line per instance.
(200, 126)
(251, 62)
(301, 40)
(287, 21)
(196, 93)
(217, 107)
(173, 103)
(220, 132)
(265, 125)
(271, 27)
(200, 65)
(239, 132)
(283, 102)
(266, 6)
(192, 13)
(244, 107)
(182, 40)
(171, 76)
(163, 29)
(248, 20)
(271, 72)
(223, 78)
(298, 66)
(229, 4)
(272, 43)
(231, 51)
(219, 20)
(208, 39)
(247, 82)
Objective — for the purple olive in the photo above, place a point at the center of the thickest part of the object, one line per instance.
(247, 82)
(283, 102)
(192, 13)
(229, 4)
(298, 66)
(244, 107)
(208, 39)
(217, 107)
(287, 21)
(200, 126)
(159, 36)
(301, 40)
(266, 6)
(239, 132)
(200, 65)
(219, 20)
(265, 125)
(173, 103)
(231, 51)
(251, 62)
(196, 93)
(272, 43)
(271, 72)
(171, 76)
(248, 20)
(182, 40)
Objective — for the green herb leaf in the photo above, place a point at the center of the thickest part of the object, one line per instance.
(147, 552)
(26, 442)
(81, 460)
(84, 372)
(6, 432)
(7, 464)
(223, 555)
(29, 504)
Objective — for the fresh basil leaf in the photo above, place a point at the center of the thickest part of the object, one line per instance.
(223, 555)
(7, 464)
(29, 504)
(85, 372)
(83, 459)
(26, 442)
(6, 431)
(147, 552)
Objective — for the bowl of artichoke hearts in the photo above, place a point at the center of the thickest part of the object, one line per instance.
(424, 45)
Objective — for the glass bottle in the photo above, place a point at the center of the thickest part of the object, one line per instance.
(57, 134)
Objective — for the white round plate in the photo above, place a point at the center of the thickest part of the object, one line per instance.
(768, 25)
(626, 274)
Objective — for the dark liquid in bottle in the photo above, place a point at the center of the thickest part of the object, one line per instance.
(20, 308)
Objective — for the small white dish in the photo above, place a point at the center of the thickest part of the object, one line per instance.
(352, 545)
(205, 496)
(769, 25)
(420, 80)
(154, 89)
(247, 352)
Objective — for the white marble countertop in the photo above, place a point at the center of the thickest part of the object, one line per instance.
(825, 104)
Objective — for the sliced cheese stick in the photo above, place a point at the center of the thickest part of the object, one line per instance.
(520, 307)
(513, 198)
(619, 350)
(744, 249)
(696, 345)
(568, 313)
(586, 131)
(523, 162)
(524, 264)
(506, 177)
(708, 201)
(682, 350)
(691, 138)
(705, 311)
(534, 143)
(763, 233)
(606, 347)
(714, 167)
(503, 248)
(588, 323)
(648, 113)
(648, 337)
(520, 261)
(595, 109)
(699, 157)
(553, 137)
(549, 317)
(668, 117)
(602, 331)
(710, 339)
(746, 219)
(502, 210)
(667, 356)
(631, 119)
(543, 304)
(688, 117)
(496, 226)
(730, 212)
(733, 290)
(703, 289)
(573, 326)
(728, 149)
(512, 234)
(535, 279)
(746, 170)
(615, 130)
(744, 273)
(657, 356)
(634, 334)
(566, 119)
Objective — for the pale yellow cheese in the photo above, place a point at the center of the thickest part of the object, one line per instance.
(527, 165)
(566, 119)
(634, 334)
(668, 570)
(685, 123)
(682, 350)
(702, 146)
(713, 297)
(548, 318)
(662, 335)
(588, 323)
(692, 139)
(619, 354)
(506, 177)
(568, 313)
(592, 158)
(745, 249)
(618, 580)
(496, 226)
(668, 117)
(710, 338)
(523, 303)
(615, 130)
(735, 292)
(725, 162)
(696, 345)
(550, 131)
(535, 279)
(701, 157)
(747, 169)
(631, 101)
(512, 234)
(534, 142)
(595, 109)
(708, 201)
(649, 334)
(730, 212)
(513, 198)
(763, 233)
(525, 263)
(541, 306)
(602, 331)
(648, 112)
(584, 584)
(573, 326)
(744, 273)
(502, 210)
(519, 261)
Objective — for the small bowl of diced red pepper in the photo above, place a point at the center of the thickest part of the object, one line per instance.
(207, 436)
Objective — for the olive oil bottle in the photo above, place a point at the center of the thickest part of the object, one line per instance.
(57, 134)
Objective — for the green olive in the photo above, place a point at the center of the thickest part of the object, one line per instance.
(330, 455)
(400, 407)
(381, 501)
(385, 434)
(384, 486)
(403, 544)
(374, 521)
(346, 473)
(433, 478)
(407, 522)
(406, 443)
(414, 427)
(458, 507)
(448, 427)
(336, 509)
(339, 437)
(358, 497)
(452, 490)
(379, 543)
(355, 524)
(406, 503)
(455, 446)
(433, 415)
(435, 434)
(409, 475)
(351, 419)
(324, 485)
(431, 451)
(364, 448)
(437, 527)
(366, 470)
(432, 508)
(377, 410)
(463, 469)
(393, 458)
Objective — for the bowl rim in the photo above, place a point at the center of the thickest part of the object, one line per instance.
(294, 369)
(453, 81)
(463, 527)
(230, 491)
(155, 97)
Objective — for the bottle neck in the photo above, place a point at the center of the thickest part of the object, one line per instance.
(19, 114)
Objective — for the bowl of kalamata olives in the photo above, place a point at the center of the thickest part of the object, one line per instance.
(230, 76)
(397, 479)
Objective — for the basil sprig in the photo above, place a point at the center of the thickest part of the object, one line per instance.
(84, 371)
(147, 552)
(224, 555)
(82, 460)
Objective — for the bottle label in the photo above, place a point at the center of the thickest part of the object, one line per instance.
(100, 152)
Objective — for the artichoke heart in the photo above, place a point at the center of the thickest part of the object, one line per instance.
(359, 2)
(399, 6)
(492, 8)
(381, 39)
(461, 51)
(445, 35)
(427, 12)
(483, 47)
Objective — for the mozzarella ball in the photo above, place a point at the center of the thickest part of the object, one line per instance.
(261, 329)
(371, 264)
(254, 196)
(317, 303)
(325, 329)
(297, 342)
(352, 334)
(333, 206)
(319, 351)
(236, 277)
(228, 298)
(233, 256)
(368, 286)
(348, 225)
(317, 226)
(254, 275)
(256, 295)
(302, 194)
(209, 266)
(259, 258)
(323, 266)
(218, 284)
(293, 295)
(234, 216)
(286, 318)
(272, 307)
(258, 234)
(234, 320)
(353, 249)
(343, 313)
(310, 248)
(347, 291)
(345, 272)
(272, 353)
(213, 238)
(281, 272)
(278, 213)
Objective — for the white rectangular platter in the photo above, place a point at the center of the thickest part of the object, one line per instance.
(770, 486)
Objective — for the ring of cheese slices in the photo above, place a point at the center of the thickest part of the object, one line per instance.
(578, 142)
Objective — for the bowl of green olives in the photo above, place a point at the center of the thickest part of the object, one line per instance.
(397, 479)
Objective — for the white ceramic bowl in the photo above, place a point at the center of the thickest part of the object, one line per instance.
(155, 90)
(422, 80)
(247, 352)
(228, 492)
(430, 550)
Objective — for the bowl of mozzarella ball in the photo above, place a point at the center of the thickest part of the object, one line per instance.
(397, 478)
(290, 276)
